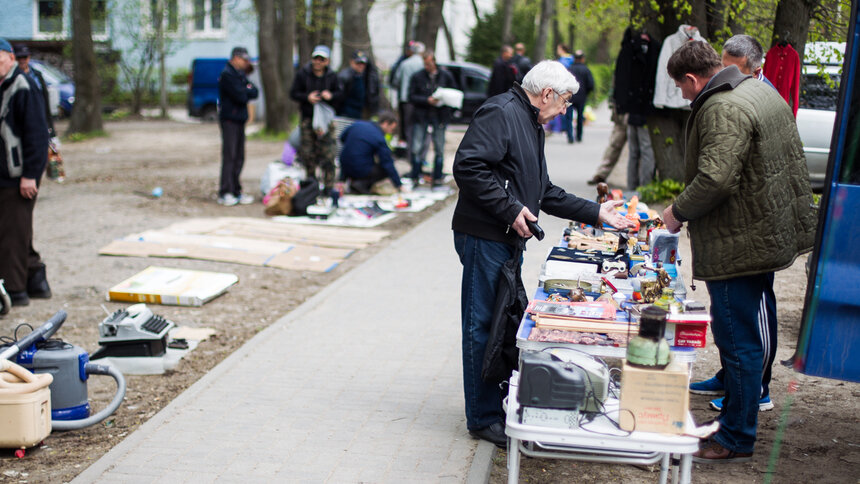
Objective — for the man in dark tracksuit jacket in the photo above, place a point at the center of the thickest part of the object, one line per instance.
(366, 158)
(500, 168)
(316, 83)
(23, 155)
(235, 90)
(429, 112)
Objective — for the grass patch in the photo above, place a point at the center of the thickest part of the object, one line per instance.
(77, 137)
(660, 191)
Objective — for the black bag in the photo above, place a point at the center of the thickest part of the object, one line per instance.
(309, 191)
(501, 354)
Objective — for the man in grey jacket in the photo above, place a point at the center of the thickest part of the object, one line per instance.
(747, 203)
(23, 156)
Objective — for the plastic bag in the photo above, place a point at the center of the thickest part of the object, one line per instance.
(323, 117)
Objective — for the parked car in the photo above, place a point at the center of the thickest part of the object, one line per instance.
(61, 89)
(819, 90)
(472, 79)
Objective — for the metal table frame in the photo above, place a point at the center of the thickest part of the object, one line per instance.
(597, 441)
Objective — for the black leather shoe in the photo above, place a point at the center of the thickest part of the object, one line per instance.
(19, 298)
(495, 434)
(596, 180)
(37, 283)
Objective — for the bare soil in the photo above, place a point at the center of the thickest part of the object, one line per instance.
(106, 195)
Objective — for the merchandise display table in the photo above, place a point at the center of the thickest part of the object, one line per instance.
(596, 441)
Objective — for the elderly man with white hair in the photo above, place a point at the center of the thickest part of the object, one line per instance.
(500, 168)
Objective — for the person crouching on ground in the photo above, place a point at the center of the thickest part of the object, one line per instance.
(366, 158)
(500, 168)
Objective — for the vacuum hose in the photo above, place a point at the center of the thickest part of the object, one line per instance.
(96, 369)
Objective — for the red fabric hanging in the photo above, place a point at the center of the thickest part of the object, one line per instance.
(782, 68)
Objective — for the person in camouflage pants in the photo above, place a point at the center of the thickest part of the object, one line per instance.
(318, 151)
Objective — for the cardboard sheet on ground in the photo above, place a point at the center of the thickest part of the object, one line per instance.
(173, 287)
(248, 241)
(343, 217)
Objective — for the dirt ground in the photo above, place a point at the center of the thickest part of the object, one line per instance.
(106, 195)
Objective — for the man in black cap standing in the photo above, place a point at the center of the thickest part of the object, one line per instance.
(23, 155)
(234, 90)
(22, 55)
(360, 83)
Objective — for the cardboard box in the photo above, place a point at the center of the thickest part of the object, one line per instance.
(174, 287)
(655, 400)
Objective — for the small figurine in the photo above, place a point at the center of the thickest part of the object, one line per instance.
(602, 192)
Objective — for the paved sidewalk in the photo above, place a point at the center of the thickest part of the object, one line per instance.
(362, 383)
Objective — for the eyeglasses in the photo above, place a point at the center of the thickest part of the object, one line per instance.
(567, 103)
(319, 58)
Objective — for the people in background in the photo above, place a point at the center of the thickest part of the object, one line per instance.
(502, 185)
(23, 156)
(366, 158)
(22, 55)
(617, 140)
(235, 90)
(429, 112)
(566, 119)
(746, 192)
(523, 63)
(586, 85)
(315, 83)
(504, 72)
(402, 79)
(360, 81)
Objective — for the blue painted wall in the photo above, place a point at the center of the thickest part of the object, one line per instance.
(16, 21)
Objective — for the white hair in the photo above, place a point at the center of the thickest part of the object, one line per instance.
(418, 47)
(550, 74)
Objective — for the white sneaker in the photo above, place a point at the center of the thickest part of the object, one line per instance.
(228, 200)
(245, 199)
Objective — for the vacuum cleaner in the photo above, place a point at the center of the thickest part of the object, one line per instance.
(70, 367)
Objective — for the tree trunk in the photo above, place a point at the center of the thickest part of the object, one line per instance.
(303, 33)
(270, 71)
(87, 113)
(791, 23)
(408, 24)
(429, 21)
(355, 33)
(162, 67)
(285, 31)
(602, 53)
(323, 21)
(547, 10)
(556, 34)
(507, 21)
(450, 40)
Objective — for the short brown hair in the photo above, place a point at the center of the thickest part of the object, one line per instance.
(694, 57)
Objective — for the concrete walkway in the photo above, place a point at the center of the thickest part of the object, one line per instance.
(362, 383)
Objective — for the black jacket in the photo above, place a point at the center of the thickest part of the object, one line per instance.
(371, 88)
(500, 167)
(306, 82)
(46, 99)
(421, 87)
(235, 90)
(23, 130)
(503, 77)
(586, 82)
(635, 75)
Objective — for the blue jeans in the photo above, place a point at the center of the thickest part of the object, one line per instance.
(736, 309)
(419, 137)
(482, 261)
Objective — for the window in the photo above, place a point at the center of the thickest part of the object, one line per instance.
(207, 16)
(50, 16)
(171, 14)
(99, 17)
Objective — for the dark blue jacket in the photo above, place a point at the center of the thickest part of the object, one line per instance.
(235, 90)
(586, 82)
(23, 130)
(361, 141)
(500, 167)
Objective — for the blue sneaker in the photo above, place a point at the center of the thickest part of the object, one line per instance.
(763, 405)
(711, 386)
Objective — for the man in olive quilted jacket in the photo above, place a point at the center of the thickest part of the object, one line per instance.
(748, 207)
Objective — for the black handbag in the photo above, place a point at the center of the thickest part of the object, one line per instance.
(309, 191)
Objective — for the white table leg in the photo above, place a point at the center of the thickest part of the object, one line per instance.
(664, 468)
(686, 468)
(513, 460)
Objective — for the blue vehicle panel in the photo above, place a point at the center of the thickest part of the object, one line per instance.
(203, 88)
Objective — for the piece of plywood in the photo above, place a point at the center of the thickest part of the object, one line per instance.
(175, 287)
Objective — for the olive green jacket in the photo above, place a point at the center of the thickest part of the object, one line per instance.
(747, 199)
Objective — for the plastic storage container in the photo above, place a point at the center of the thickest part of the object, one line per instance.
(25, 406)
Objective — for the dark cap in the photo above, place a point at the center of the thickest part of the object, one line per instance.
(578, 54)
(240, 52)
(359, 56)
(5, 45)
(22, 51)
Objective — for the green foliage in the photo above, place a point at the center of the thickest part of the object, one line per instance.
(660, 191)
(179, 77)
(602, 83)
(486, 38)
(77, 137)
(149, 98)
